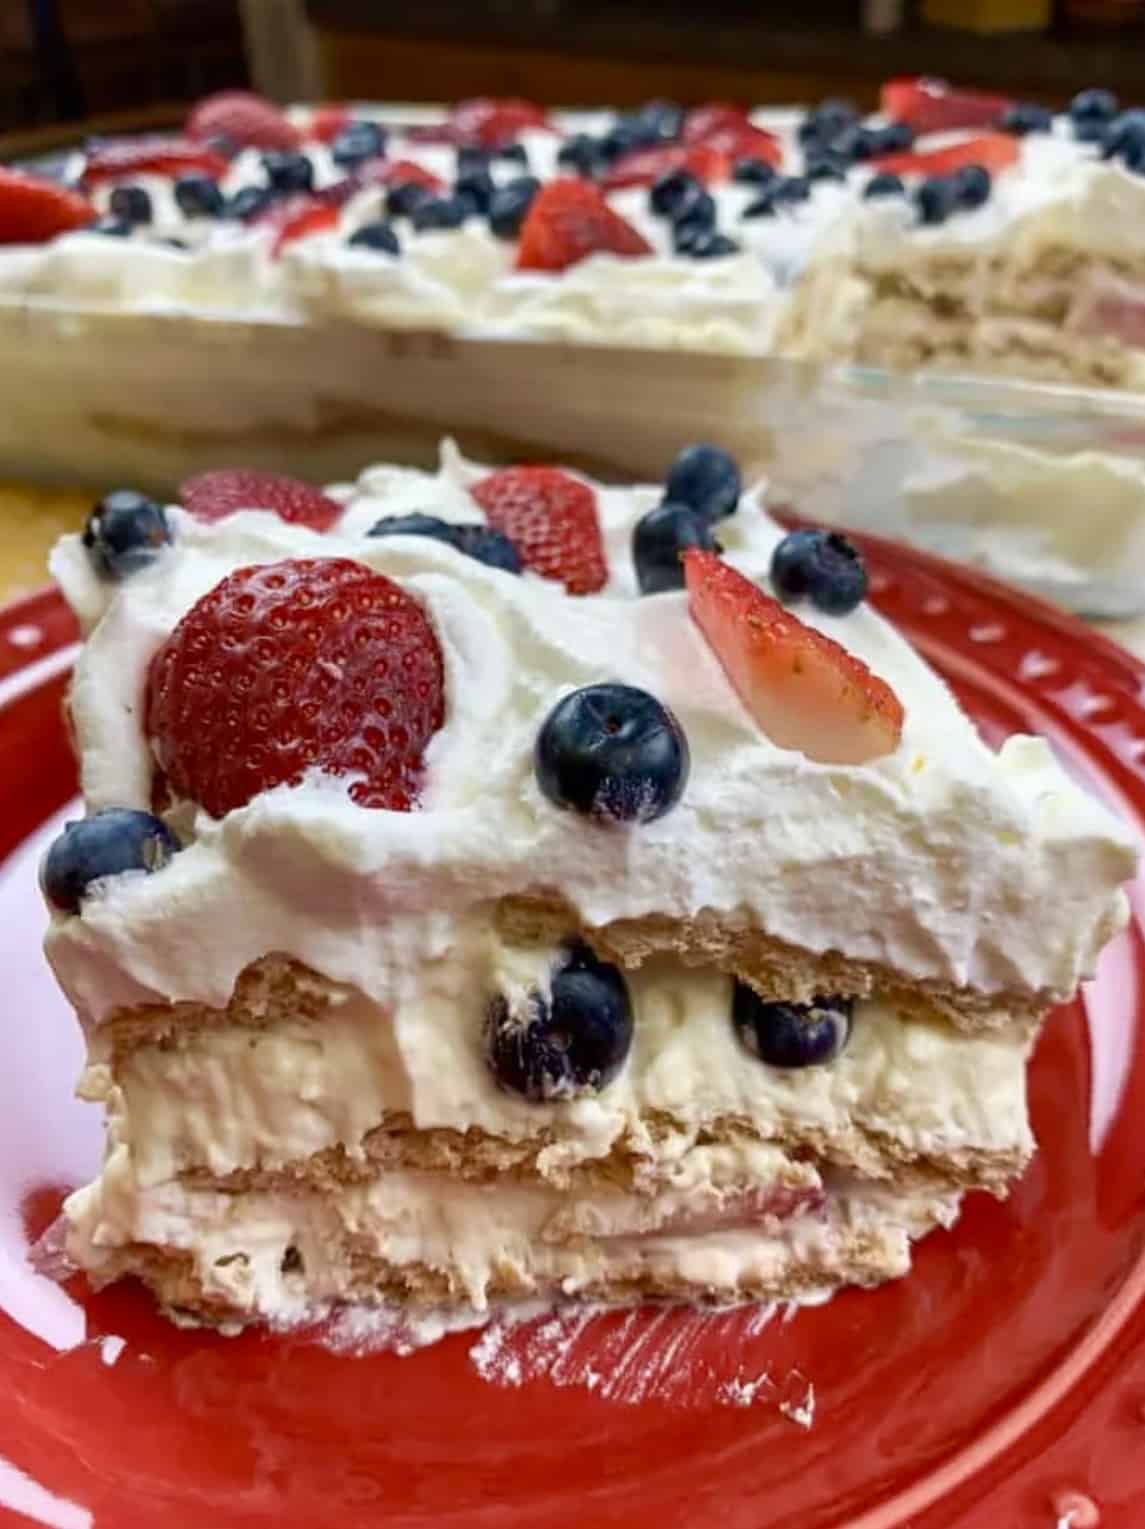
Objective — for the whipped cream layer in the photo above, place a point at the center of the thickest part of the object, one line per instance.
(944, 861)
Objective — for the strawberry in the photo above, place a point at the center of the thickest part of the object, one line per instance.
(32, 210)
(250, 121)
(309, 664)
(299, 216)
(642, 167)
(326, 122)
(933, 106)
(805, 691)
(398, 172)
(569, 220)
(729, 131)
(156, 155)
(490, 122)
(994, 151)
(214, 495)
(550, 518)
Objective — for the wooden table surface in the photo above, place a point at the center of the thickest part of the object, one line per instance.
(32, 518)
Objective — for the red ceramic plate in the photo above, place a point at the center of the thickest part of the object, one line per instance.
(1002, 1384)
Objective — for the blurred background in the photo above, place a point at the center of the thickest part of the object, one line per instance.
(136, 63)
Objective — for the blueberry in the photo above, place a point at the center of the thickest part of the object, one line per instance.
(936, 199)
(356, 142)
(763, 207)
(894, 138)
(685, 236)
(581, 153)
(573, 1041)
(883, 184)
(791, 1034)
(660, 537)
(707, 478)
(113, 228)
(440, 212)
(671, 191)
(478, 186)
(471, 156)
(510, 204)
(515, 153)
(1027, 118)
(1091, 112)
(697, 207)
(124, 533)
(853, 145)
(663, 120)
(403, 197)
(620, 139)
(791, 188)
(1123, 135)
(821, 565)
(612, 752)
(288, 170)
(249, 202)
(753, 172)
(825, 166)
(199, 196)
(827, 121)
(130, 204)
(709, 244)
(106, 844)
(377, 236)
(972, 186)
(476, 541)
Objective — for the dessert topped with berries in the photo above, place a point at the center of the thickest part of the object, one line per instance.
(498, 884)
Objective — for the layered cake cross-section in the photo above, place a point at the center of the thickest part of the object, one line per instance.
(495, 885)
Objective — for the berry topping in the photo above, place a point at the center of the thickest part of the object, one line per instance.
(883, 184)
(805, 691)
(825, 166)
(199, 196)
(477, 186)
(216, 494)
(509, 206)
(249, 202)
(581, 153)
(125, 532)
(403, 197)
(106, 844)
(827, 122)
(1124, 139)
(791, 188)
(933, 106)
(672, 191)
(357, 141)
(753, 172)
(402, 172)
(432, 212)
(378, 236)
(936, 199)
(1091, 112)
(763, 207)
(130, 204)
(612, 752)
(550, 517)
(570, 220)
(993, 151)
(298, 217)
(572, 1040)
(643, 167)
(730, 132)
(821, 566)
(288, 171)
(33, 210)
(791, 1034)
(659, 538)
(246, 119)
(706, 478)
(310, 664)
(476, 541)
(1026, 118)
(495, 123)
(709, 244)
(513, 153)
(111, 228)
(696, 209)
(156, 155)
(972, 186)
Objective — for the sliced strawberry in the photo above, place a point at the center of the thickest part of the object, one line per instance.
(214, 495)
(644, 166)
(994, 151)
(398, 172)
(933, 106)
(246, 119)
(32, 210)
(284, 668)
(326, 122)
(550, 517)
(570, 220)
(155, 155)
(730, 132)
(492, 122)
(298, 216)
(716, 116)
(805, 691)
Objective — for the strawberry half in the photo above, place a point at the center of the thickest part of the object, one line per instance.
(214, 495)
(310, 664)
(645, 166)
(326, 122)
(570, 220)
(155, 155)
(248, 120)
(730, 131)
(994, 151)
(550, 517)
(491, 122)
(398, 172)
(933, 106)
(299, 216)
(32, 210)
(805, 691)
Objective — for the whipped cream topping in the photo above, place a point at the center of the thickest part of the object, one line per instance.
(944, 860)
